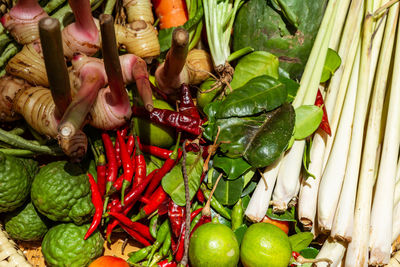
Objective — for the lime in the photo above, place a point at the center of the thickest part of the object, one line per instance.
(15, 183)
(213, 244)
(25, 223)
(156, 135)
(63, 245)
(266, 245)
(204, 97)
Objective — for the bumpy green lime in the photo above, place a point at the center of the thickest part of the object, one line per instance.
(15, 183)
(61, 191)
(63, 246)
(266, 245)
(25, 223)
(213, 245)
(152, 134)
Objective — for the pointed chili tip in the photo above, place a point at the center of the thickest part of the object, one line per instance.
(3, 20)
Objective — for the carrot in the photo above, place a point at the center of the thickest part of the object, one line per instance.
(171, 13)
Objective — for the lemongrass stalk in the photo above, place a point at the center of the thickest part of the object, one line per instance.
(345, 212)
(395, 260)
(382, 208)
(340, 79)
(339, 25)
(333, 250)
(395, 223)
(396, 198)
(333, 175)
(261, 197)
(398, 172)
(357, 253)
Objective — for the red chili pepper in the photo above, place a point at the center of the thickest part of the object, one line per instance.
(126, 165)
(295, 254)
(140, 166)
(176, 215)
(117, 148)
(186, 105)
(112, 162)
(136, 226)
(152, 150)
(170, 118)
(144, 200)
(324, 125)
(130, 144)
(158, 197)
(137, 236)
(113, 223)
(165, 168)
(117, 185)
(98, 205)
(134, 193)
(101, 174)
(166, 263)
(200, 196)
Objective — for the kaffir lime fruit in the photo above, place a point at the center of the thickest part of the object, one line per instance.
(265, 245)
(153, 134)
(63, 245)
(15, 183)
(25, 223)
(213, 244)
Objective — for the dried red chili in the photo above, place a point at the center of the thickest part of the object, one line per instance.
(324, 125)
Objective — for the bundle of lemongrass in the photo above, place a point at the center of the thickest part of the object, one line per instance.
(10, 255)
(354, 198)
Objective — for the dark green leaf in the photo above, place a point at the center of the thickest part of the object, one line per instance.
(239, 232)
(262, 93)
(165, 38)
(309, 253)
(332, 62)
(263, 27)
(248, 176)
(232, 168)
(249, 188)
(308, 119)
(287, 11)
(300, 241)
(255, 64)
(228, 191)
(173, 183)
(210, 127)
(245, 201)
(288, 215)
(291, 88)
(260, 140)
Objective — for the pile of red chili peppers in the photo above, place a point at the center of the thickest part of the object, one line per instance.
(122, 183)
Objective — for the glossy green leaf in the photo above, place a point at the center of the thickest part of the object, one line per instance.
(288, 215)
(228, 191)
(165, 38)
(245, 201)
(232, 167)
(262, 93)
(210, 127)
(308, 118)
(173, 183)
(248, 176)
(253, 65)
(260, 25)
(307, 159)
(300, 240)
(291, 87)
(239, 232)
(332, 62)
(309, 253)
(282, 6)
(249, 188)
(260, 140)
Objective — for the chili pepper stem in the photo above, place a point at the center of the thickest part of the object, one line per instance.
(139, 216)
(207, 209)
(125, 185)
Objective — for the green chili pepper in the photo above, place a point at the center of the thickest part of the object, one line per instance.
(195, 221)
(153, 226)
(166, 245)
(161, 234)
(237, 215)
(215, 203)
(157, 257)
(139, 255)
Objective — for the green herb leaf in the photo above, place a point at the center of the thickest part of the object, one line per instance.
(308, 118)
(253, 65)
(173, 183)
(262, 93)
(239, 232)
(309, 253)
(228, 191)
(332, 62)
(288, 215)
(291, 88)
(307, 159)
(300, 241)
(249, 188)
(165, 39)
(233, 168)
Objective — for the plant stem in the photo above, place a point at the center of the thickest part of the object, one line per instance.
(52, 5)
(22, 143)
(18, 152)
(176, 56)
(109, 8)
(83, 18)
(56, 68)
(382, 209)
(240, 53)
(111, 61)
(332, 250)
(5, 39)
(11, 50)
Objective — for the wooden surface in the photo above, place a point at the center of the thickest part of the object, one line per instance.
(33, 252)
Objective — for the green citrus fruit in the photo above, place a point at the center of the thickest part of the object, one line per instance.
(15, 183)
(213, 244)
(203, 97)
(61, 192)
(63, 245)
(266, 245)
(25, 223)
(153, 134)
